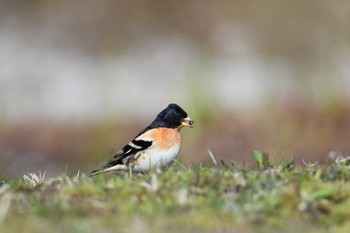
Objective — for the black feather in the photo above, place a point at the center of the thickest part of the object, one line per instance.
(142, 143)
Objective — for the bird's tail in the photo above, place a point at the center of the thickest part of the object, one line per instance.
(95, 172)
(108, 168)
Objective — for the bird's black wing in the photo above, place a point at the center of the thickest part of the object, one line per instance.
(130, 149)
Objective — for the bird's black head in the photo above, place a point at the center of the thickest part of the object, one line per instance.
(172, 117)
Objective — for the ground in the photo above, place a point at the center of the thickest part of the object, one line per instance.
(269, 197)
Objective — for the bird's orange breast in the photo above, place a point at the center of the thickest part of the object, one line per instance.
(164, 138)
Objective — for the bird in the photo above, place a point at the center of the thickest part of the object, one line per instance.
(155, 146)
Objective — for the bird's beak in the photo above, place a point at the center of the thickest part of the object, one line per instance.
(187, 122)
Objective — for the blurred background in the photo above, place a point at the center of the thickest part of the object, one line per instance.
(79, 79)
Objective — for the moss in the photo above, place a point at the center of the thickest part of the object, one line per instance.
(270, 198)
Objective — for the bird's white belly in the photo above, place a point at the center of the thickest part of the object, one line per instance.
(149, 160)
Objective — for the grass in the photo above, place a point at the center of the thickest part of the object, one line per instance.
(269, 197)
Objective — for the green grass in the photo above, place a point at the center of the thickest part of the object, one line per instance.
(269, 197)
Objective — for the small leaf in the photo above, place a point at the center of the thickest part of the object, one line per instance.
(261, 158)
(326, 193)
(287, 164)
(224, 164)
(319, 173)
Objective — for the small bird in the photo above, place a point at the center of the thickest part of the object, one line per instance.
(155, 146)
